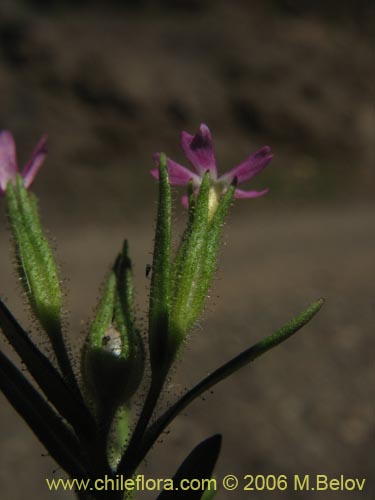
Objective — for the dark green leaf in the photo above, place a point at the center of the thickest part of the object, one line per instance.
(61, 444)
(47, 377)
(199, 465)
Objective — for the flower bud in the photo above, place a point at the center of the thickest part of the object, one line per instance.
(195, 262)
(36, 264)
(113, 356)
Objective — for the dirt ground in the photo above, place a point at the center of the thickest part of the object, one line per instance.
(113, 85)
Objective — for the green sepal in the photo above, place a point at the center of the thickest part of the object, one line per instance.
(105, 313)
(124, 303)
(38, 270)
(191, 201)
(36, 264)
(106, 377)
(195, 261)
(207, 265)
(159, 308)
(186, 266)
(124, 316)
(199, 465)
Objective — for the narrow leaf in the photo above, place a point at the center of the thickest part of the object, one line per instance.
(44, 422)
(47, 377)
(226, 370)
(199, 465)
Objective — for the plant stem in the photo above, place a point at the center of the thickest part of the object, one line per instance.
(63, 360)
(129, 461)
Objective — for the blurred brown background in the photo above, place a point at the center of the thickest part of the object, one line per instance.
(112, 82)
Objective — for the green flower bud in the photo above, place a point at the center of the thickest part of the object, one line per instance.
(195, 262)
(36, 264)
(113, 358)
(186, 266)
(178, 292)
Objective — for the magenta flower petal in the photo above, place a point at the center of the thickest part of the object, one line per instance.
(32, 167)
(178, 175)
(250, 167)
(240, 194)
(185, 201)
(199, 150)
(8, 161)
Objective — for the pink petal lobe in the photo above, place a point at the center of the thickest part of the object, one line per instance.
(32, 167)
(199, 150)
(250, 167)
(240, 194)
(8, 161)
(185, 201)
(155, 173)
(178, 174)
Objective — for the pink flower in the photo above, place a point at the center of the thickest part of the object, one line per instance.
(8, 161)
(199, 150)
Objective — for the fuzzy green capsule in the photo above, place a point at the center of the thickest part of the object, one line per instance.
(186, 266)
(208, 262)
(113, 358)
(36, 264)
(195, 262)
(178, 291)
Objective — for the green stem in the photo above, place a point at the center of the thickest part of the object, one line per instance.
(62, 358)
(129, 462)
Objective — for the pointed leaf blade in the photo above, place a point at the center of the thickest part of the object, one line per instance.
(44, 422)
(199, 464)
(47, 377)
(228, 369)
